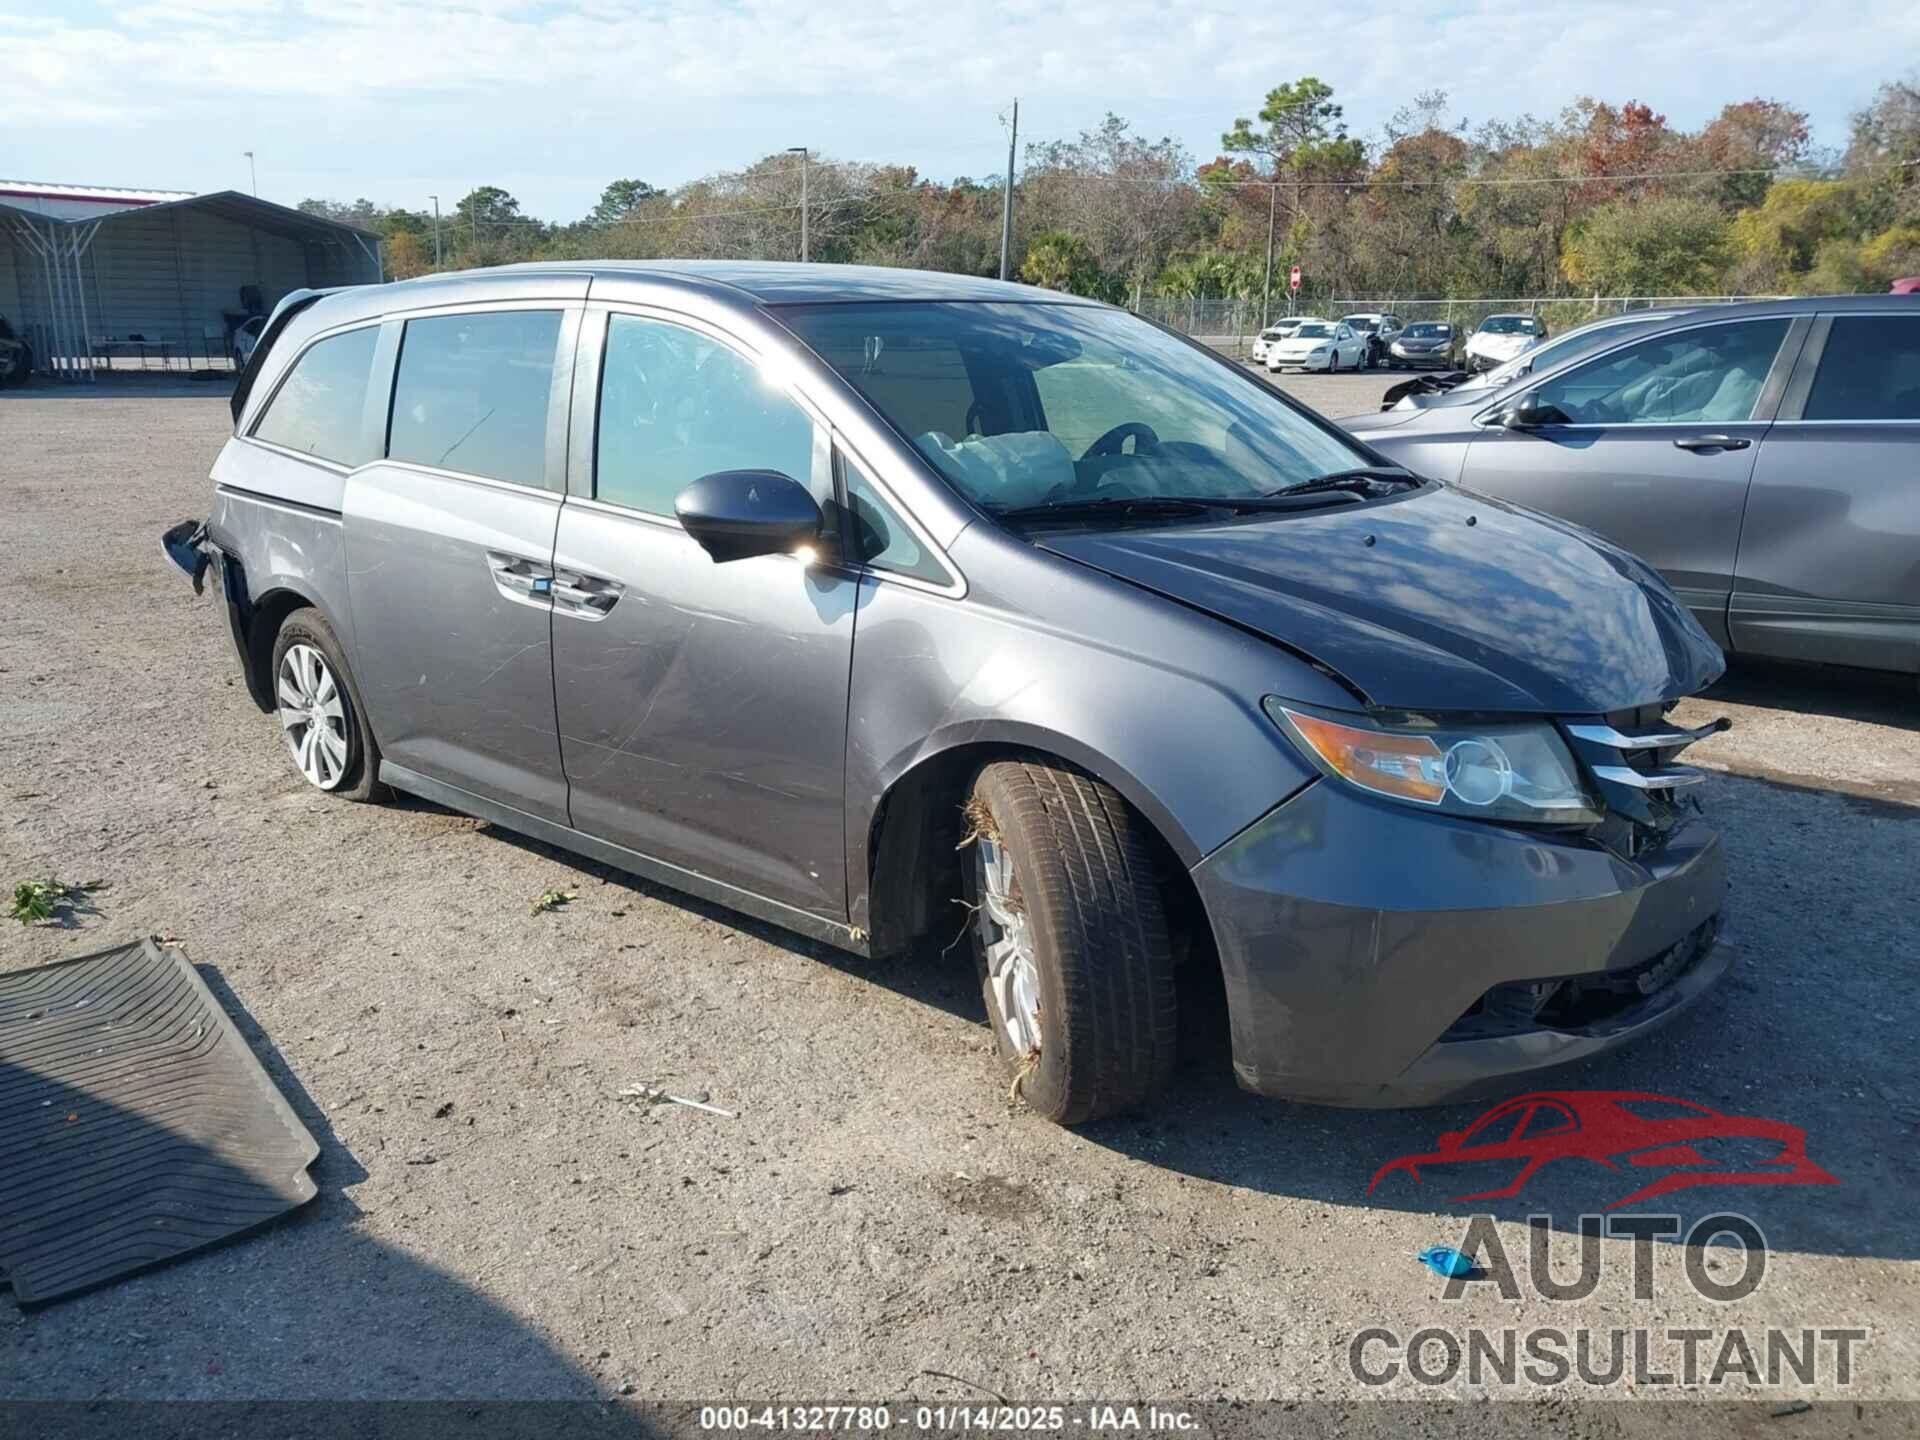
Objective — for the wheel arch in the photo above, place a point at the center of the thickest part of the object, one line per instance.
(906, 864)
(256, 621)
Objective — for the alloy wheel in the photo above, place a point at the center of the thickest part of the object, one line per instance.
(1006, 939)
(313, 716)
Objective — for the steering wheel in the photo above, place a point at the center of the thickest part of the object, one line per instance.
(1145, 441)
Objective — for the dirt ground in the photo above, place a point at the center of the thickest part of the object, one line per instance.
(878, 1220)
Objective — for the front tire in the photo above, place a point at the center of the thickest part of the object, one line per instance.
(1070, 935)
(319, 710)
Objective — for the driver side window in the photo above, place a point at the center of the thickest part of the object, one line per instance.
(1709, 375)
(676, 405)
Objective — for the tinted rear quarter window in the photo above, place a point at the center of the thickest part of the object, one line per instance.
(320, 409)
(472, 391)
(1870, 370)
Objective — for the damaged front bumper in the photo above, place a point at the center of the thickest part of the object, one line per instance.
(1380, 958)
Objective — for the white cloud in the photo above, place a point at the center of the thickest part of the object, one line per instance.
(490, 66)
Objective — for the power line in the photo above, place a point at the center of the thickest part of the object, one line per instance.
(1208, 183)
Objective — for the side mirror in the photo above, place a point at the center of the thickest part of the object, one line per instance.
(1530, 412)
(738, 514)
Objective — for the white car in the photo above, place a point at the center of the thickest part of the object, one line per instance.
(1381, 329)
(1319, 345)
(1501, 338)
(1279, 330)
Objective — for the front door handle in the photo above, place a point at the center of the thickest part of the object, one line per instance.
(524, 581)
(587, 596)
(1712, 442)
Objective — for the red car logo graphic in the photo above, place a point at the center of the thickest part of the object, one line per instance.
(1690, 1143)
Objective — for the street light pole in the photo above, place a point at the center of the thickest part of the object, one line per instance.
(436, 230)
(253, 173)
(1006, 196)
(1266, 286)
(801, 151)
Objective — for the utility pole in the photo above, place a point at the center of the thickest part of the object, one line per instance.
(1006, 197)
(436, 230)
(801, 151)
(253, 173)
(1266, 285)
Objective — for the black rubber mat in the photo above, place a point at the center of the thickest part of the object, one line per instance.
(135, 1124)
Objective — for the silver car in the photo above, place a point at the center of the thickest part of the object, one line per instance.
(887, 606)
(1763, 457)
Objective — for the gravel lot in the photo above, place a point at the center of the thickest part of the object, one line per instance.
(493, 1223)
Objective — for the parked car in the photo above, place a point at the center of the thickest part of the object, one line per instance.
(1423, 343)
(1908, 286)
(1279, 330)
(244, 340)
(1379, 329)
(1761, 456)
(1501, 338)
(1318, 345)
(846, 596)
(16, 357)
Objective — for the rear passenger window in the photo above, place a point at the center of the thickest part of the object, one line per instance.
(472, 391)
(676, 405)
(321, 408)
(1870, 370)
(880, 537)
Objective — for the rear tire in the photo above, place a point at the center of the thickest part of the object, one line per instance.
(321, 717)
(1062, 877)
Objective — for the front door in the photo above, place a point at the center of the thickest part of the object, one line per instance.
(1830, 554)
(1654, 450)
(449, 538)
(702, 706)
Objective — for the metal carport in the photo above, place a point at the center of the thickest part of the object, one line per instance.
(165, 275)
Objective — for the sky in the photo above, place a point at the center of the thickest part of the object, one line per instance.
(396, 100)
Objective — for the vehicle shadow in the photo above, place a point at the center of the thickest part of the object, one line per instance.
(1875, 697)
(306, 1308)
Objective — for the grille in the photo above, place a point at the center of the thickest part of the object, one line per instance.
(1630, 755)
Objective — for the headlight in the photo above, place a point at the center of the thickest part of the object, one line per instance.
(1501, 771)
(1321, 349)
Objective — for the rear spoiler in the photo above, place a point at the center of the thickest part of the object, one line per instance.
(291, 304)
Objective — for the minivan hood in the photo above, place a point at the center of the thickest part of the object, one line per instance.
(1439, 599)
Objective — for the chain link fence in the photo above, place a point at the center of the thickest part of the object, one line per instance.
(1230, 324)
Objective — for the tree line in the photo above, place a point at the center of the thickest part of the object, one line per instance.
(1602, 200)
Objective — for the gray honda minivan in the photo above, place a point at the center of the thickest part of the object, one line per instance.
(878, 604)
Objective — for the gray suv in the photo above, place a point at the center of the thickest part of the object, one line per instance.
(881, 605)
(1763, 457)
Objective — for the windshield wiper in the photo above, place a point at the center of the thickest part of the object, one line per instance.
(1365, 480)
(1146, 505)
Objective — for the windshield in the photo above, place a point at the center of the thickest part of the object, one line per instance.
(1427, 330)
(1028, 404)
(1360, 322)
(1313, 332)
(1510, 325)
